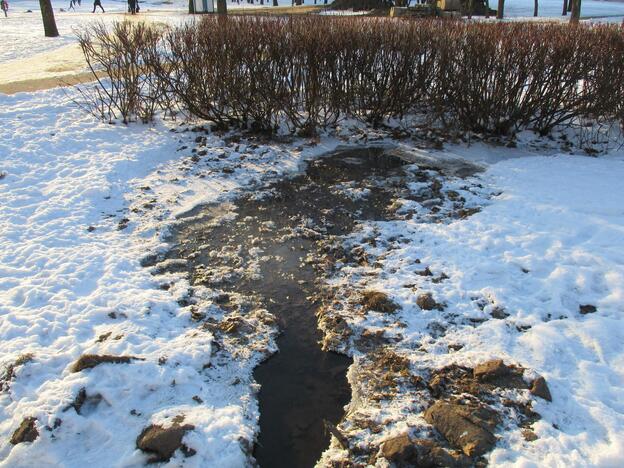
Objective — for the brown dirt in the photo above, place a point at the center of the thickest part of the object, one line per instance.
(467, 425)
(405, 451)
(378, 301)
(26, 432)
(427, 302)
(27, 86)
(162, 442)
(89, 361)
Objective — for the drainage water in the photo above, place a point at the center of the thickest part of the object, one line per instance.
(301, 385)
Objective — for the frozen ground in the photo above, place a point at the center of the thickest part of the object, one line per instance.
(71, 283)
(512, 282)
(83, 203)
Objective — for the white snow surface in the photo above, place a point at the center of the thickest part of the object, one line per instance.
(550, 240)
(22, 33)
(66, 290)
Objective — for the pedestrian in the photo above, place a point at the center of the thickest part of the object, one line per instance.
(97, 3)
(4, 6)
(132, 7)
(71, 5)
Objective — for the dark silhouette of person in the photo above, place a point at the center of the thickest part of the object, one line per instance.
(97, 3)
(4, 6)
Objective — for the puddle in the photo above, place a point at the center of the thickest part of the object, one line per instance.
(268, 249)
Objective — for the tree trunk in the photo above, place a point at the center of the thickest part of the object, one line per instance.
(565, 8)
(569, 6)
(191, 7)
(487, 8)
(47, 13)
(535, 8)
(576, 11)
(470, 8)
(222, 7)
(500, 11)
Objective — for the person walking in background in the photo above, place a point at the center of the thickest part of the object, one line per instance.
(71, 5)
(97, 3)
(132, 6)
(4, 6)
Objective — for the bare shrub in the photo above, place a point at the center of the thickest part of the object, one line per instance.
(309, 72)
(126, 87)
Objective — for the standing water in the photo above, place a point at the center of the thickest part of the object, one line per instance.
(280, 231)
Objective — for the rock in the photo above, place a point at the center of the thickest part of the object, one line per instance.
(466, 427)
(540, 388)
(377, 301)
(403, 451)
(491, 370)
(89, 361)
(163, 442)
(26, 432)
(426, 302)
(397, 448)
(587, 309)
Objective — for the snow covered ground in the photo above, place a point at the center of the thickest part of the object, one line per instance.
(82, 203)
(513, 281)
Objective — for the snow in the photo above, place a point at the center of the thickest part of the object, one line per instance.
(549, 239)
(67, 289)
(24, 31)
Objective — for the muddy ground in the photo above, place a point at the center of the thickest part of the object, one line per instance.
(268, 258)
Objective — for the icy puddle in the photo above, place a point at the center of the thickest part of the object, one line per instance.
(271, 250)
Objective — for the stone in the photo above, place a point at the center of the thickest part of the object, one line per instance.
(397, 447)
(26, 432)
(162, 442)
(491, 370)
(540, 388)
(404, 451)
(466, 427)
(89, 361)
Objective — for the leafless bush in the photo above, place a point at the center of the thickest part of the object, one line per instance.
(126, 87)
(310, 72)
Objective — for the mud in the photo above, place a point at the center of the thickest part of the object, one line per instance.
(271, 247)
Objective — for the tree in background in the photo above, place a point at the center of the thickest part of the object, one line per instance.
(49, 23)
(500, 11)
(576, 11)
